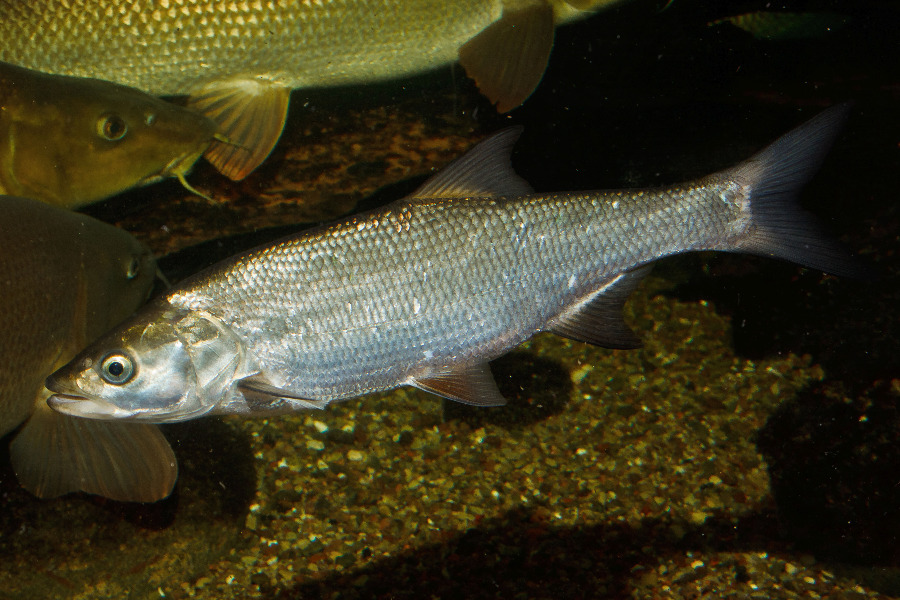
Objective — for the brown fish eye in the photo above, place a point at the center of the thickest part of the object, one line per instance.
(117, 369)
(112, 127)
(134, 267)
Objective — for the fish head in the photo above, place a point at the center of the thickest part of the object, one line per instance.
(165, 365)
(137, 138)
(119, 273)
(78, 140)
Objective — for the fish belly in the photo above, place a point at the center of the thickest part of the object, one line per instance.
(177, 46)
(374, 302)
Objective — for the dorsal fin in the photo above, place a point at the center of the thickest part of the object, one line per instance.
(484, 171)
(469, 384)
(599, 320)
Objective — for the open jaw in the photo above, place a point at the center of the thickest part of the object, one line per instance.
(79, 406)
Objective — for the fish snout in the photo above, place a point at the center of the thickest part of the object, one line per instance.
(69, 399)
(58, 383)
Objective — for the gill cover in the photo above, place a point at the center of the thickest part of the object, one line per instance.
(168, 365)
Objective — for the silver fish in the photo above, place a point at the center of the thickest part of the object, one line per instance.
(66, 278)
(238, 61)
(429, 289)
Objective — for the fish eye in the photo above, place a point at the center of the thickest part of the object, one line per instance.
(134, 267)
(149, 119)
(112, 127)
(117, 369)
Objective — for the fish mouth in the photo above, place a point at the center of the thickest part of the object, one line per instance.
(79, 406)
(177, 167)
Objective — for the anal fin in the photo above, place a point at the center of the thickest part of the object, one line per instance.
(507, 60)
(469, 384)
(250, 113)
(54, 454)
(598, 320)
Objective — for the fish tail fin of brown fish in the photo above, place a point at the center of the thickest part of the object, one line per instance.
(779, 227)
(54, 454)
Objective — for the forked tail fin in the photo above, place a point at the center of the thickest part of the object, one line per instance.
(779, 226)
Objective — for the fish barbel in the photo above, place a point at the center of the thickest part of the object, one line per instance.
(65, 278)
(426, 291)
(238, 61)
(71, 141)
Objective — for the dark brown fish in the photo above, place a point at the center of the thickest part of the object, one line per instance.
(66, 278)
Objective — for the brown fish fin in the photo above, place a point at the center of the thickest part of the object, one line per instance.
(54, 454)
(508, 58)
(598, 320)
(250, 113)
(779, 226)
(484, 171)
(265, 394)
(469, 384)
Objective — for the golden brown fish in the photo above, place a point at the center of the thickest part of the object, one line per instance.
(238, 61)
(65, 278)
(71, 141)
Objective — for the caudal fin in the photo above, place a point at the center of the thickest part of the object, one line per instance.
(779, 226)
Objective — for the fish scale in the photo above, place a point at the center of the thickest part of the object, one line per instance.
(181, 44)
(429, 289)
(238, 61)
(373, 306)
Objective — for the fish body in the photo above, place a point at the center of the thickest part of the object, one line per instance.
(71, 141)
(65, 278)
(238, 60)
(427, 290)
(769, 25)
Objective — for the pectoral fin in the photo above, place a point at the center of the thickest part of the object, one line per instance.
(265, 397)
(598, 319)
(508, 58)
(469, 384)
(250, 113)
(54, 454)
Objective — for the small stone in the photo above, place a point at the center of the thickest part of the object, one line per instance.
(345, 560)
(698, 517)
(355, 455)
